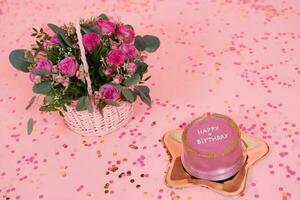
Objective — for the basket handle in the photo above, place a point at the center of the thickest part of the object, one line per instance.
(83, 58)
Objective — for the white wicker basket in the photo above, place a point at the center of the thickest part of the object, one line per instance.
(95, 124)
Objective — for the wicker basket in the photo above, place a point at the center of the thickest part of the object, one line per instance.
(96, 124)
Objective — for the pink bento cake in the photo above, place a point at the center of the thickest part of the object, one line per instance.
(212, 148)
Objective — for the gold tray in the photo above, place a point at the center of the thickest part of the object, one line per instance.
(177, 177)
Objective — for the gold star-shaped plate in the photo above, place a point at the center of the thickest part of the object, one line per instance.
(177, 177)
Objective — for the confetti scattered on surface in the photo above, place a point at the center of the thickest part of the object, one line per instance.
(239, 58)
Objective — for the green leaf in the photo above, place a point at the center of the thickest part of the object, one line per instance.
(60, 32)
(48, 99)
(147, 78)
(61, 113)
(117, 86)
(42, 87)
(134, 79)
(47, 108)
(111, 102)
(56, 29)
(142, 68)
(139, 43)
(88, 105)
(30, 102)
(143, 92)
(81, 105)
(103, 16)
(152, 43)
(18, 60)
(41, 72)
(129, 95)
(129, 26)
(29, 126)
(86, 28)
(84, 103)
(61, 41)
(53, 54)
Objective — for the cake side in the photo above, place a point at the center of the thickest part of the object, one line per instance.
(212, 147)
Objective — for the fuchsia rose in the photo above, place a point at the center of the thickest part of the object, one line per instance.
(106, 27)
(129, 50)
(115, 57)
(109, 92)
(54, 39)
(131, 68)
(43, 64)
(68, 66)
(91, 40)
(125, 33)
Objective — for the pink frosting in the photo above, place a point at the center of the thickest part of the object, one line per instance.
(205, 143)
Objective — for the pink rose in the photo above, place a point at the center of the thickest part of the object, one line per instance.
(43, 64)
(47, 43)
(97, 95)
(34, 78)
(54, 39)
(108, 72)
(91, 40)
(109, 92)
(59, 79)
(68, 66)
(115, 57)
(125, 33)
(118, 78)
(131, 68)
(130, 51)
(106, 27)
(80, 75)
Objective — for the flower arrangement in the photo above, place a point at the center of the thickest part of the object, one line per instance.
(115, 56)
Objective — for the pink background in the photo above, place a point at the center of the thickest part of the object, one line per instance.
(239, 58)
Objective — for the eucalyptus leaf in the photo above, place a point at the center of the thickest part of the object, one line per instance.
(29, 126)
(19, 61)
(61, 41)
(56, 29)
(129, 26)
(88, 105)
(60, 32)
(129, 95)
(48, 99)
(143, 92)
(134, 79)
(81, 105)
(139, 43)
(152, 43)
(30, 102)
(117, 86)
(41, 72)
(67, 41)
(103, 16)
(142, 68)
(42, 87)
(111, 102)
(88, 28)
